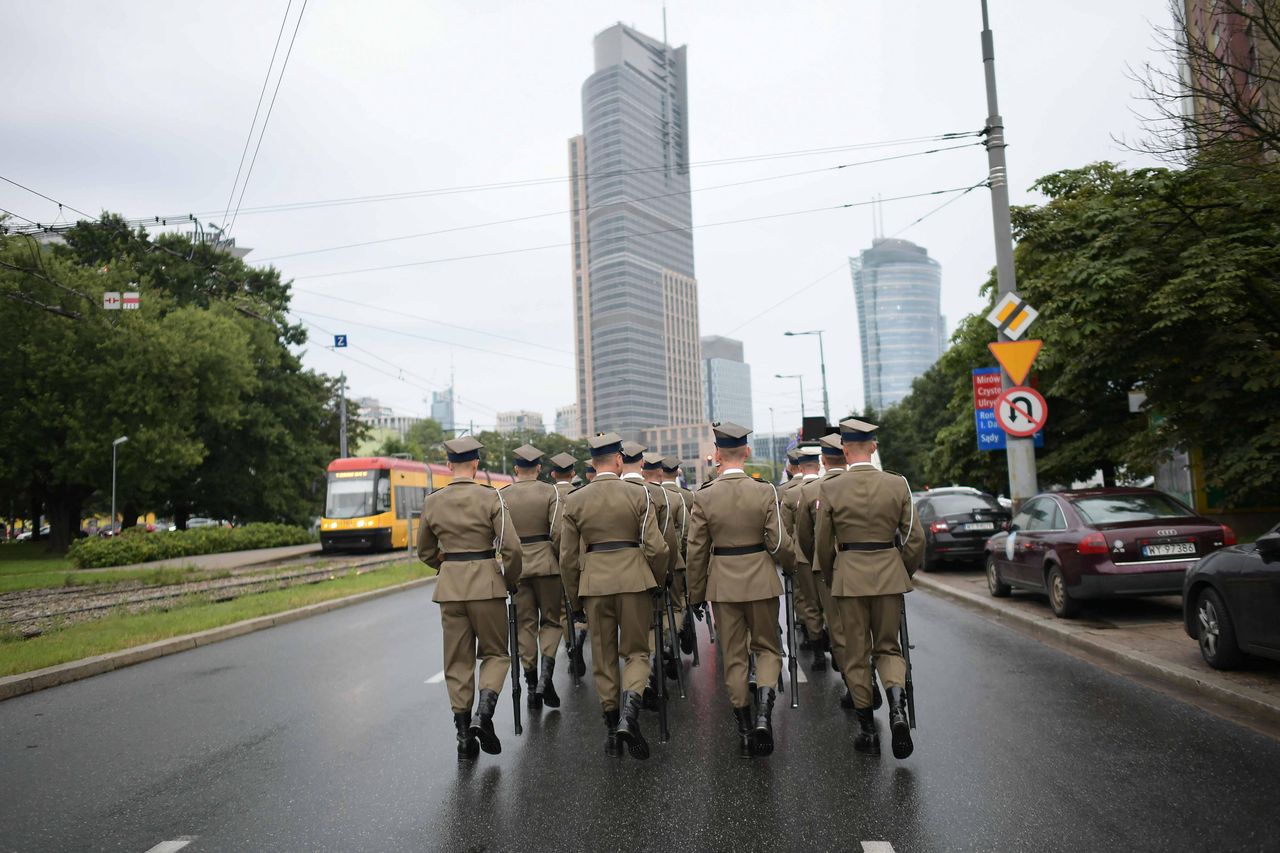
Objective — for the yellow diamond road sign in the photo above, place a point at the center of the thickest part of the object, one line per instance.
(1012, 316)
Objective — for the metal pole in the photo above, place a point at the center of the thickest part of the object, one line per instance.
(1020, 452)
(773, 446)
(342, 416)
(822, 360)
(114, 445)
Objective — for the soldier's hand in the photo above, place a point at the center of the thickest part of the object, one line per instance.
(512, 588)
(580, 617)
(699, 610)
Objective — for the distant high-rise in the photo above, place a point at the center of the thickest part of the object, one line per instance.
(442, 409)
(567, 421)
(898, 291)
(726, 381)
(635, 295)
(521, 420)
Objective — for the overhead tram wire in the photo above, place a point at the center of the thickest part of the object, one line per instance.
(575, 211)
(949, 201)
(261, 94)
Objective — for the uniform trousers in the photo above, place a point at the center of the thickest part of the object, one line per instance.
(835, 624)
(871, 628)
(746, 628)
(619, 625)
(539, 611)
(808, 604)
(470, 626)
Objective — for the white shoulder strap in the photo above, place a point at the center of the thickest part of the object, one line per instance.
(502, 520)
(777, 512)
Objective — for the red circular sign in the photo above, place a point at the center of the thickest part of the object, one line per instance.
(1021, 411)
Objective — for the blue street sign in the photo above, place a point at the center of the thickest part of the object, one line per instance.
(339, 341)
(986, 388)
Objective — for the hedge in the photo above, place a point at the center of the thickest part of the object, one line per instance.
(138, 546)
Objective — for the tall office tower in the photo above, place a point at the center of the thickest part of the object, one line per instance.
(726, 381)
(635, 295)
(442, 409)
(567, 421)
(898, 291)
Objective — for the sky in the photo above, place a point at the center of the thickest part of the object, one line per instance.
(464, 109)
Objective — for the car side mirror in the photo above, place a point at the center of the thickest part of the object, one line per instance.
(1269, 544)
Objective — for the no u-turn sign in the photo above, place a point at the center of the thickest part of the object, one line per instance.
(1021, 411)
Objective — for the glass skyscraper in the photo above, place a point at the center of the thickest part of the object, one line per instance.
(726, 381)
(898, 291)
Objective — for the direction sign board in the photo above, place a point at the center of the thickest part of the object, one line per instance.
(111, 300)
(131, 301)
(1021, 412)
(1012, 316)
(339, 341)
(986, 390)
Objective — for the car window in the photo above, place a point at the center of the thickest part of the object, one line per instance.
(952, 504)
(1112, 509)
(1022, 519)
(1040, 514)
(1059, 521)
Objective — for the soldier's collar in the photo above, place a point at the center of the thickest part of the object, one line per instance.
(732, 471)
(859, 464)
(605, 474)
(812, 476)
(633, 475)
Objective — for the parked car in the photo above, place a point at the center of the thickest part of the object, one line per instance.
(200, 521)
(1231, 602)
(25, 535)
(1098, 543)
(957, 523)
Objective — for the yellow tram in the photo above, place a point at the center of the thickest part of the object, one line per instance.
(374, 502)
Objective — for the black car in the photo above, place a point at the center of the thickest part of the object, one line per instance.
(1231, 602)
(957, 523)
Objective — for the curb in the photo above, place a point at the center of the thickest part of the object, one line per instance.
(64, 673)
(1244, 699)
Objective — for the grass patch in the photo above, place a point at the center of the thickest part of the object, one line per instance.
(148, 577)
(18, 558)
(184, 616)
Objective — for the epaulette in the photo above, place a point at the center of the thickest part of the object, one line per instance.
(894, 473)
(708, 483)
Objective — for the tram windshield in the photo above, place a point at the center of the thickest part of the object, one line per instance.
(355, 494)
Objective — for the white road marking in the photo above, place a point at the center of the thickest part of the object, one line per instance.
(877, 847)
(435, 679)
(172, 846)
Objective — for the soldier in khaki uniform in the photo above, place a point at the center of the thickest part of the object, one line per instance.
(677, 520)
(612, 558)
(562, 465)
(832, 454)
(671, 482)
(868, 547)
(736, 540)
(807, 601)
(465, 531)
(534, 507)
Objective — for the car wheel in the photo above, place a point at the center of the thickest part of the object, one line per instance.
(930, 563)
(995, 585)
(1064, 606)
(1217, 634)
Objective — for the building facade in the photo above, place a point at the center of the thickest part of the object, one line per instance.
(726, 381)
(520, 421)
(442, 409)
(898, 291)
(567, 421)
(635, 294)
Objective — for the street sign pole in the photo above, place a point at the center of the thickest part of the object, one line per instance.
(342, 416)
(1020, 451)
(115, 444)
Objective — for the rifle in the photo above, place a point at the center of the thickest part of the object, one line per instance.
(792, 664)
(675, 648)
(904, 639)
(711, 624)
(514, 640)
(688, 621)
(664, 731)
(570, 640)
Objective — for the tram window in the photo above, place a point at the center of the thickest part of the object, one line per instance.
(384, 493)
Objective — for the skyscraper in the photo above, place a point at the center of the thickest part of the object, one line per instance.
(442, 409)
(635, 295)
(726, 381)
(898, 291)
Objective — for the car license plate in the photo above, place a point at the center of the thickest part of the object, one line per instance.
(1169, 550)
(981, 525)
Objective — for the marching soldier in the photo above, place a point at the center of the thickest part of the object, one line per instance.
(465, 530)
(676, 522)
(735, 537)
(806, 521)
(534, 507)
(589, 472)
(804, 467)
(562, 465)
(671, 482)
(868, 547)
(612, 558)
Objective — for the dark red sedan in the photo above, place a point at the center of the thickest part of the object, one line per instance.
(1097, 543)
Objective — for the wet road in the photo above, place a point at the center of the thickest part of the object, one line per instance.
(332, 734)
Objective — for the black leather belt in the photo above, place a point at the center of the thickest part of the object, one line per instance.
(738, 550)
(470, 555)
(541, 537)
(865, 546)
(611, 546)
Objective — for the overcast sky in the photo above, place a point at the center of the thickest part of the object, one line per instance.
(142, 108)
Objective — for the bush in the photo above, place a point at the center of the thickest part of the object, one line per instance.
(142, 547)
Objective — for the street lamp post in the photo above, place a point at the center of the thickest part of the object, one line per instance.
(773, 444)
(822, 361)
(800, 377)
(114, 445)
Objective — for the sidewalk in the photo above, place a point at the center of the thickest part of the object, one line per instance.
(1142, 635)
(225, 561)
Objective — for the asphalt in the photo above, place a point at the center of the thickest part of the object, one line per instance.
(325, 735)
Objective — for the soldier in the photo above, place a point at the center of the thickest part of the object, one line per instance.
(612, 557)
(465, 531)
(589, 472)
(671, 482)
(735, 537)
(806, 522)
(534, 507)
(804, 467)
(868, 547)
(562, 465)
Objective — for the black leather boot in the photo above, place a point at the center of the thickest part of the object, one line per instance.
(482, 726)
(806, 642)
(650, 699)
(546, 687)
(762, 739)
(670, 663)
(868, 740)
(846, 701)
(877, 698)
(468, 747)
(688, 637)
(629, 733)
(743, 716)
(612, 748)
(820, 646)
(577, 664)
(899, 723)
(532, 699)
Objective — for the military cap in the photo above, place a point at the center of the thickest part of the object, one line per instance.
(527, 456)
(809, 453)
(856, 430)
(463, 449)
(588, 468)
(729, 434)
(831, 445)
(653, 461)
(793, 455)
(672, 463)
(605, 443)
(632, 451)
(562, 462)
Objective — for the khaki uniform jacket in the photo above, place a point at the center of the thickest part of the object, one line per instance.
(535, 507)
(733, 510)
(661, 500)
(806, 515)
(681, 506)
(469, 516)
(787, 498)
(867, 505)
(609, 510)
